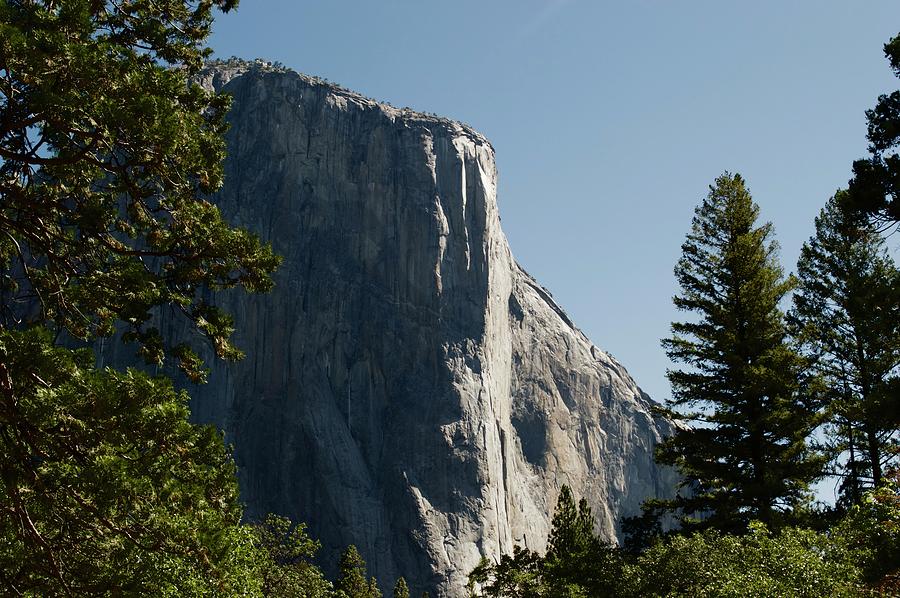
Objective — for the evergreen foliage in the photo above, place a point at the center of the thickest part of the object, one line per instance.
(106, 487)
(859, 556)
(575, 552)
(516, 575)
(283, 562)
(577, 563)
(572, 528)
(794, 562)
(875, 186)
(747, 458)
(108, 153)
(847, 311)
(872, 530)
(352, 578)
(401, 590)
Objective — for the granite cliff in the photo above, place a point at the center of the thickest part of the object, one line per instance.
(408, 388)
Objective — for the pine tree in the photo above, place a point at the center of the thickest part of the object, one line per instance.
(570, 547)
(875, 186)
(517, 575)
(572, 528)
(577, 562)
(746, 456)
(108, 154)
(847, 310)
(401, 590)
(352, 576)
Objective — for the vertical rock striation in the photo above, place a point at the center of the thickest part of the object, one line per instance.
(408, 388)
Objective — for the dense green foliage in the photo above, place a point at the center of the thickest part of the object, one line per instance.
(873, 531)
(577, 563)
(106, 486)
(793, 562)
(748, 458)
(401, 590)
(107, 154)
(283, 560)
(575, 552)
(352, 580)
(516, 575)
(847, 314)
(875, 186)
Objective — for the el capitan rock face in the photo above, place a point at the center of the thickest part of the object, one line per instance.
(408, 388)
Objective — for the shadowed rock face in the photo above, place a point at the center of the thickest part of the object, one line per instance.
(408, 388)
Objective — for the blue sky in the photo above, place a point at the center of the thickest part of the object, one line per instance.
(610, 120)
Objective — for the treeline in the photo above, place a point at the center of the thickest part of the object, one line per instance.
(853, 557)
(784, 381)
(283, 566)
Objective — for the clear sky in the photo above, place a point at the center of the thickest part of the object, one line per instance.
(610, 120)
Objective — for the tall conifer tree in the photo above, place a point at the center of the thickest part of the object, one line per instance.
(745, 456)
(352, 579)
(578, 562)
(875, 186)
(847, 310)
(401, 590)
